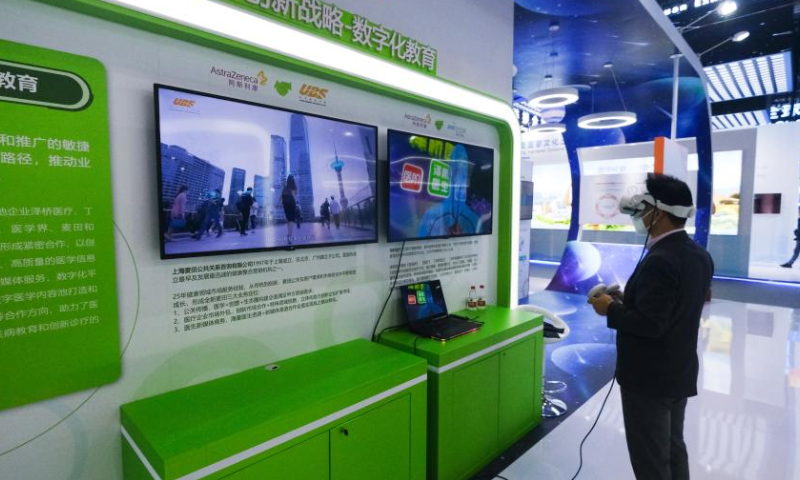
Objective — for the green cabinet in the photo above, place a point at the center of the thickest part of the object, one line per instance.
(484, 389)
(386, 428)
(518, 396)
(354, 411)
(474, 427)
(305, 461)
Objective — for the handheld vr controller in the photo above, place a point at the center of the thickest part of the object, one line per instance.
(601, 289)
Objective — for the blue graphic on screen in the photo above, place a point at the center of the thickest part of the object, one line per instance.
(423, 301)
(438, 188)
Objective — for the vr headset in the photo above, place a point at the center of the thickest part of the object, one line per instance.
(636, 205)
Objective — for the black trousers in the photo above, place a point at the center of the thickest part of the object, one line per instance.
(654, 431)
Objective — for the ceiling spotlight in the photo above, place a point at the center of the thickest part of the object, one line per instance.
(549, 128)
(608, 65)
(740, 36)
(606, 120)
(727, 7)
(553, 97)
(554, 26)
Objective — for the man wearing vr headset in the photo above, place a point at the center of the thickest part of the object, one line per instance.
(657, 322)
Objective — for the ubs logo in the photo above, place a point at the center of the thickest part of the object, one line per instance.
(313, 91)
(183, 102)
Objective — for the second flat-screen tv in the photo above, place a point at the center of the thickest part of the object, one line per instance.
(438, 188)
(238, 176)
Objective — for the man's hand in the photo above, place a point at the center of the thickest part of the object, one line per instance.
(601, 303)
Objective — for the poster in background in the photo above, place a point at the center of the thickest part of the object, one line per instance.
(58, 300)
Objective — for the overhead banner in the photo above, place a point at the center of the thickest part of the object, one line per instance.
(330, 21)
(58, 300)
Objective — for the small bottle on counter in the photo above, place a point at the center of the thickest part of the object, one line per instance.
(472, 299)
(482, 298)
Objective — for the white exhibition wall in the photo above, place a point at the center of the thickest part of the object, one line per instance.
(474, 38)
(777, 171)
(86, 446)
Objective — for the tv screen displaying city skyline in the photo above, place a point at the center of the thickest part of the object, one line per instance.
(438, 188)
(237, 176)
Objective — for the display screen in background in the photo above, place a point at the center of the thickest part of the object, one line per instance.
(218, 148)
(438, 188)
(526, 200)
(767, 203)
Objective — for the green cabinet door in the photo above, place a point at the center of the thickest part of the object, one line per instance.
(304, 461)
(517, 388)
(374, 446)
(474, 430)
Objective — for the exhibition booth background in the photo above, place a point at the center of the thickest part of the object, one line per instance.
(618, 59)
(747, 162)
(157, 356)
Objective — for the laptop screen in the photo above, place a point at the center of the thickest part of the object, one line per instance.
(423, 301)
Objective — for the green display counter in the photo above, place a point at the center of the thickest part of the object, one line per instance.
(349, 412)
(484, 389)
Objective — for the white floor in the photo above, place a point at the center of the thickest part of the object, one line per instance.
(744, 425)
(773, 271)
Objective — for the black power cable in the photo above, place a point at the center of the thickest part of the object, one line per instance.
(391, 290)
(597, 419)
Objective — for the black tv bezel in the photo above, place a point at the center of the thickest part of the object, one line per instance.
(286, 248)
(388, 189)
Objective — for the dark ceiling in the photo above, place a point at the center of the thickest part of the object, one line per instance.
(772, 25)
(570, 42)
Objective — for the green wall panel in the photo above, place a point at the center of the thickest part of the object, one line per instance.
(59, 325)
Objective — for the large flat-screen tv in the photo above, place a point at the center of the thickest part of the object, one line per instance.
(237, 176)
(438, 188)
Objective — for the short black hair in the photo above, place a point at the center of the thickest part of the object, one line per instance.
(670, 191)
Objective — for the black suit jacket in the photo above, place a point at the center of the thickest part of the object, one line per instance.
(659, 319)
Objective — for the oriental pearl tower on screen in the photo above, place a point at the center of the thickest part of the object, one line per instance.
(300, 164)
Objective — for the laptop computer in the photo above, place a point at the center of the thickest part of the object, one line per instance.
(427, 312)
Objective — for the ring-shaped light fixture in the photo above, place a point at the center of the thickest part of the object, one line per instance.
(553, 97)
(549, 128)
(604, 120)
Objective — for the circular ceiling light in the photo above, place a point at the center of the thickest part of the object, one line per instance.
(604, 120)
(553, 97)
(741, 36)
(726, 8)
(549, 128)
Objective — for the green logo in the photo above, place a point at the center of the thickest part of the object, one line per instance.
(439, 179)
(283, 88)
(439, 124)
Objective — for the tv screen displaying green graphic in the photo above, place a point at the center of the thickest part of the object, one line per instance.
(237, 176)
(438, 188)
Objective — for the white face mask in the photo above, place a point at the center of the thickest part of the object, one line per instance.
(638, 224)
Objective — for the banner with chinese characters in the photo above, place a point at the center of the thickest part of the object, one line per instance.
(330, 21)
(58, 303)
